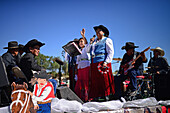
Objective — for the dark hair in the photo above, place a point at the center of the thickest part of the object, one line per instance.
(84, 40)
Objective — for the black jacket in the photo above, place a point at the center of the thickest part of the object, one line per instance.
(10, 61)
(158, 64)
(138, 64)
(27, 64)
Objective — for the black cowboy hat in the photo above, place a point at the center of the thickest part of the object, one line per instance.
(32, 43)
(103, 28)
(129, 45)
(75, 40)
(12, 45)
(21, 47)
(43, 75)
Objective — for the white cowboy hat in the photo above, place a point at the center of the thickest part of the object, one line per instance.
(160, 50)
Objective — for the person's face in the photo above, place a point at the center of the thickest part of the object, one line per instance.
(99, 33)
(156, 53)
(41, 82)
(35, 50)
(130, 51)
(81, 43)
(14, 52)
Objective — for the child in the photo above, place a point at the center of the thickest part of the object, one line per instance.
(43, 93)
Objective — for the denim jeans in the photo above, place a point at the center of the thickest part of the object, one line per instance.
(133, 80)
(44, 108)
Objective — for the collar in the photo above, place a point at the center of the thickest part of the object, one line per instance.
(43, 85)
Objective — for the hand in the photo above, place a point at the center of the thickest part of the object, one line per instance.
(133, 63)
(30, 93)
(92, 40)
(36, 107)
(104, 65)
(82, 33)
(158, 72)
(33, 81)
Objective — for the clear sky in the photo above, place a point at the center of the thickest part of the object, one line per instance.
(56, 22)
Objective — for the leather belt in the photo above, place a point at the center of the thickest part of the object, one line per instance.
(98, 55)
(84, 59)
(38, 102)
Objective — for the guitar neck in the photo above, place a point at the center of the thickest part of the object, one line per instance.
(140, 54)
(136, 58)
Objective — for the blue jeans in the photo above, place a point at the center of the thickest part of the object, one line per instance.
(133, 80)
(44, 108)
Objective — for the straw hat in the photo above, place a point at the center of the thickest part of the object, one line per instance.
(160, 50)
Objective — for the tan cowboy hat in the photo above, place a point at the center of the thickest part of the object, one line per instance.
(160, 50)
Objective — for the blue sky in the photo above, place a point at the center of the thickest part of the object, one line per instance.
(56, 22)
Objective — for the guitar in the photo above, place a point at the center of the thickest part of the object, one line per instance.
(126, 67)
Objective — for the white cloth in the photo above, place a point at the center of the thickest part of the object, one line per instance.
(82, 63)
(109, 48)
(67, 57)
(63, 105)
(102, 106)
(5, 109)
(164, 102)
(141, 103)
(45, 93)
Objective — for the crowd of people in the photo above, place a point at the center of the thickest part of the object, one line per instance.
(92, 69)
(43, 91)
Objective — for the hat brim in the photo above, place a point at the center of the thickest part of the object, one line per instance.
(16, 47)
(103, 28)
(124, 47)
(36, 75)
(161, 51)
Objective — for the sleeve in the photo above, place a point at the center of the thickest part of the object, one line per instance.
(66, 56)
(164, 66)
(45, 93)
(88, 47)
(109, 50)
(9, 63)
(33, 100)
(34, 65)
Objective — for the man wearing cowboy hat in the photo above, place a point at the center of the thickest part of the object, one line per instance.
(137, 66)
(158, 64)
(43, 93)
(28, 62)
(11, 59)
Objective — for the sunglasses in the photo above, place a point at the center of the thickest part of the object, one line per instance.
(38, 48)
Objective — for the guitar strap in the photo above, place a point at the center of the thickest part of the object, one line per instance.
(135, 54)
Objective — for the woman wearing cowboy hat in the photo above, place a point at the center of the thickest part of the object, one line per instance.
(158, 64)
(101, 78)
